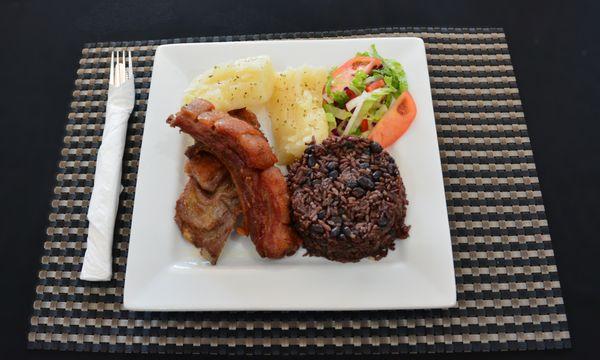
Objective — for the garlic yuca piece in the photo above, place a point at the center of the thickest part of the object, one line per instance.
(296, 111)
(235, 85)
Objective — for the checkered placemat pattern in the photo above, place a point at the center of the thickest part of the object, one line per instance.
(509, 295)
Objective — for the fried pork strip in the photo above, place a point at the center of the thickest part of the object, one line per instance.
(245, 152)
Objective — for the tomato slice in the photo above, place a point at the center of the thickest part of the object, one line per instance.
(364, 125)
(395, 121)
(375, 85)
(343, 75)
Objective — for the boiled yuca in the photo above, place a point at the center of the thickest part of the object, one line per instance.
(296, 111)
(235, 85)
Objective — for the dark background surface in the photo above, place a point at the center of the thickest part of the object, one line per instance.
(555, 53)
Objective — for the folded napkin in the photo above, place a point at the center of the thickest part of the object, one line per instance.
(97, 262)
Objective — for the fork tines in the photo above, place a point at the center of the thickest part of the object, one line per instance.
(119, 71)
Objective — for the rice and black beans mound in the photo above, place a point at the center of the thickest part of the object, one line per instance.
(348, 200)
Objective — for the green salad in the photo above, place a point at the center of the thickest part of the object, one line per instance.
(359, 93)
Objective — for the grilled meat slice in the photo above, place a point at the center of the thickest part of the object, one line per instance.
(206, 219)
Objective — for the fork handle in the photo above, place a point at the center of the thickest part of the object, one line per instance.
(97, 262)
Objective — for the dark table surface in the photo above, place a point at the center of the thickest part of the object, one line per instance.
(555, 53)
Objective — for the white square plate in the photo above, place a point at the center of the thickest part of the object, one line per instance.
(164, 272)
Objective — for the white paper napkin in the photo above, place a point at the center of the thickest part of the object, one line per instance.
(97, 262)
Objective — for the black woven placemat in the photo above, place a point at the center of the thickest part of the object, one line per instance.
(509, 295)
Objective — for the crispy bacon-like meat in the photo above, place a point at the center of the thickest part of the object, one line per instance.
(206, 170)
(208, 207)
(245, 152)
(246, 115)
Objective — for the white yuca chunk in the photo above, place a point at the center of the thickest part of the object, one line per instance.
(296, 111)
(242, 83)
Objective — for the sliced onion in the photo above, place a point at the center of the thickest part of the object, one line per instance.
(351, 104)
(352, 120)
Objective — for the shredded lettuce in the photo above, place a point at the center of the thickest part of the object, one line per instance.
(328, 86)
(337, 112)
(359, 82)
(337, 97)
(367, 105)
(373, 101)
(392, 73)
(394, 76)
(340, 98)
(372, 78)
(356, 131)
(377, 112)
(363, 109)
(374, 53)
(330, 121)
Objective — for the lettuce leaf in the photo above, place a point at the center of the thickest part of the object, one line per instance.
(361, 111)
(330, 121)
(340, 97)
(374, 53)
(328, 86)
(337, 112)
(373, 101)
(359, 81)
(376, 113)
(392, 73)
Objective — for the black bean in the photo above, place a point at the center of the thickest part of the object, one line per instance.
(335, 231)
(366, 183)
(346, 230)
(317, 229)
(336, 220)
(358, 192)
(375, 147)
(321, 215)
(311, 161)
(331, 165)
(377, 174)
(349, 144)
(392, 169)
(383, 221)
(363, 165)
(333, 174)
(351, 183)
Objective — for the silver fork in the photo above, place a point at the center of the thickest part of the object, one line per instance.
(122, 74)
(97, 262)
(121, 89)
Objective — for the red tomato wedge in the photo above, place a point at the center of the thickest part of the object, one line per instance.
(343, 75)
(375, 85)
(396, 120)
(364, 125)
